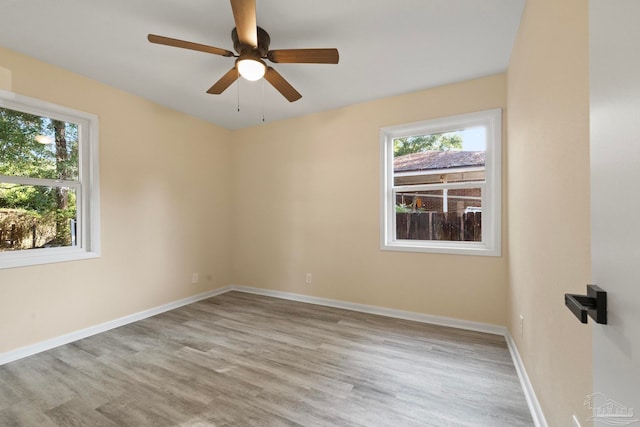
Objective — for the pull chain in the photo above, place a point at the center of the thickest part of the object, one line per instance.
(263, 100)
(238, 91)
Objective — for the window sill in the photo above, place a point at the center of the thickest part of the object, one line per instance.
(446, 248)
(43, 256)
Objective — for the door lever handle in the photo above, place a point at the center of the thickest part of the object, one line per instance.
(594, 304)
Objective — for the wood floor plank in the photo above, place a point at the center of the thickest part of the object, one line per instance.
(24, 414)
(78, 412)
(246, 360)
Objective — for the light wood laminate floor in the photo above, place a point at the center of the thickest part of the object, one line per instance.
(245, 360)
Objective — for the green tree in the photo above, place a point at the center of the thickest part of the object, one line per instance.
(434, 142)
(22, 155)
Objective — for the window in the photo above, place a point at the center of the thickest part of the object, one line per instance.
(441, 185)
(49, 190)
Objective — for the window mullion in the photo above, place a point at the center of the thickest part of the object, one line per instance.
(447, 186)
(44, 182)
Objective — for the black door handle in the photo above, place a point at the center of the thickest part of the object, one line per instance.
(594, 304)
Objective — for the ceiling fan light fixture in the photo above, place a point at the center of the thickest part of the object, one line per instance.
(252, 45)
(251, 68)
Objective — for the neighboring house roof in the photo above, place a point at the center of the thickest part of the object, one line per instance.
(436, 160)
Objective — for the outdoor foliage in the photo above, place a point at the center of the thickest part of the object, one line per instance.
(434, 142)
(21, 155)
(26, 229)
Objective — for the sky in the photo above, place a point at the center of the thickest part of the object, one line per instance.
(473, 139)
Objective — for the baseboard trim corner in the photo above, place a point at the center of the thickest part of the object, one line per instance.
(529, 393)
(41, 346)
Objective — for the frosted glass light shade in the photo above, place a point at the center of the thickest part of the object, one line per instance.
(251, 69)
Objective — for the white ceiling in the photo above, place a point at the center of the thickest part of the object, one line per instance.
(386, 48)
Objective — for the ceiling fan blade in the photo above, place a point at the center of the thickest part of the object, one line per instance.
(224, 82)
(281, 85)
(168, 41)
(304, 56)
(244, 14)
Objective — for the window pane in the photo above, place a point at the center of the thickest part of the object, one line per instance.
(440, 158)
(37, 147)
(36, 217)
(441, 186)
(446, 215)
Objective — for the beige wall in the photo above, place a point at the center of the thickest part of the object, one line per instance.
(302, 195)
(548, 200)
(5, 79)
(164, 211)
(306, 199)
(289, 215)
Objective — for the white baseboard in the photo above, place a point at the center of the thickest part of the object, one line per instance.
(93, 330)
(382, 311)
(527, 387)
(532, 401)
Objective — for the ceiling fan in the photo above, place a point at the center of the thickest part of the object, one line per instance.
(252, 46)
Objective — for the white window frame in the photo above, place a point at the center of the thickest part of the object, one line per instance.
(491, 188)
(87, 187)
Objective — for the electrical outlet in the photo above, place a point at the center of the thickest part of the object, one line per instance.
(521, 325)
(195, 278)
(309, 278)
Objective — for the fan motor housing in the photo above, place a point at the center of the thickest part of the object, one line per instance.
(263, 44)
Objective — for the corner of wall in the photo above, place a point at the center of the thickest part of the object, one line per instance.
(548, 201)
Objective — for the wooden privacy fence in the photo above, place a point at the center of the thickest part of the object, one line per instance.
(450, 226)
